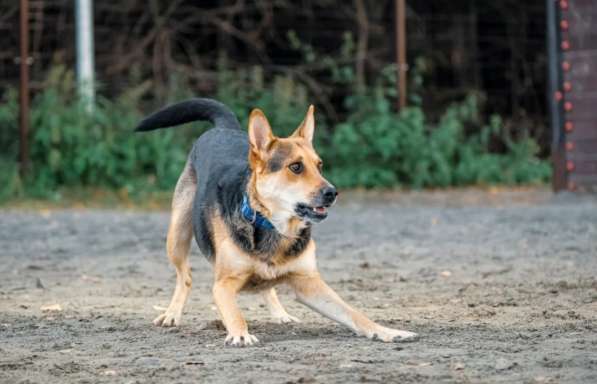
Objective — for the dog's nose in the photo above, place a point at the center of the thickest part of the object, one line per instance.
(329, 194)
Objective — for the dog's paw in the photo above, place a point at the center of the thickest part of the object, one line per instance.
(405, 336)
(168, 319)
(243, 339)
(388, 335)
(286, 318)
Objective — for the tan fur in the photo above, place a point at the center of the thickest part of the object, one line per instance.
(311, 178)
(231, 261)
(265, 188)
(180, 234)
(312, 291)
(235, 270)
(277, 311)
(305, 130)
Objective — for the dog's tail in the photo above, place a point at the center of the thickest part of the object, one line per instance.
(190, 110)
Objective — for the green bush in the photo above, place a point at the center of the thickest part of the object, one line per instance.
(373, 147)
(71, 147)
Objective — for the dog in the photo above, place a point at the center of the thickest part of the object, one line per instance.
(251, 200)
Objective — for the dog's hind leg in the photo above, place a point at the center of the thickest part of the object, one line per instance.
(178, 243)
(277, 311)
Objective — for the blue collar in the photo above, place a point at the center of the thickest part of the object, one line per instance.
(254, 217)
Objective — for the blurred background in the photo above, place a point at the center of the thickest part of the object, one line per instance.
(474, 78)
(447, 123)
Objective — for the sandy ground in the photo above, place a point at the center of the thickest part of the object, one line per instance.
(501, 287)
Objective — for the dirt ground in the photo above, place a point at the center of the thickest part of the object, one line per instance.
(501, 286)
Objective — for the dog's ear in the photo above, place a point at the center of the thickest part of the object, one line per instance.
(305, 130)
(260, 132)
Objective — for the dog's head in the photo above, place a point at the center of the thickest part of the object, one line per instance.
(287, 172)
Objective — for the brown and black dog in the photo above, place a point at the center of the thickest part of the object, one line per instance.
(250, 201)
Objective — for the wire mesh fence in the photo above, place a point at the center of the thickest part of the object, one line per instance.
(455, 47)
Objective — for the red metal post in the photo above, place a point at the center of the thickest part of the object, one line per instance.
(24, 87)
(402, 67)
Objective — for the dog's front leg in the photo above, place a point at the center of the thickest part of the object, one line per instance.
(312, 291)
(224, 291)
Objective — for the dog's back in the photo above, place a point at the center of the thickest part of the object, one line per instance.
(217, 163)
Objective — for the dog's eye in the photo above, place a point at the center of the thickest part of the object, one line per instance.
(320, 166)
(296, 167)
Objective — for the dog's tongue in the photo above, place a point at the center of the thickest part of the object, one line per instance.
(319, 209)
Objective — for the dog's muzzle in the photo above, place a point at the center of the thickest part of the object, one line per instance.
(318, 209)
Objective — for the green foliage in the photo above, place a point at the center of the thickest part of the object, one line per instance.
(373, 147)
(10, 183)
(71, 146)
(376, 148)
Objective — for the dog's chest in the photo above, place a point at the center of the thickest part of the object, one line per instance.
(267, 274)
(268, 245)
(261, 280)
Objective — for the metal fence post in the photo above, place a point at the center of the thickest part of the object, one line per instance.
(84, 37)
(24, 87)
(402, 66)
